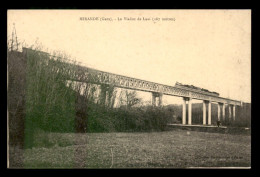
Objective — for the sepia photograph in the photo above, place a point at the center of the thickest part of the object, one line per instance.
(129, 89)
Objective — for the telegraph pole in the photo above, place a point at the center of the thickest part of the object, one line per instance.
(14, 41)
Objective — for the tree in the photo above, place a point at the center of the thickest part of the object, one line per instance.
(129, 98)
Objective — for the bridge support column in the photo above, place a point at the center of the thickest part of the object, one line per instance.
(153, 99)
(190, 112)
(234, 112)
(184, 111)
(209, 113)
(219, 111)
(103, 94)
(223, 111)
(160, 99)
(204, 112)
(229, 111)
(154, 96)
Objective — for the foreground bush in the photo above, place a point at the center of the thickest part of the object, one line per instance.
(146, 118)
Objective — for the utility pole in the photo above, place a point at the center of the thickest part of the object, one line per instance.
(14, 41)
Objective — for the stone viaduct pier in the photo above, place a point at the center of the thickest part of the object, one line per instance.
(90, 75)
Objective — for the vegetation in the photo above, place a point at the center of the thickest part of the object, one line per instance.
(146, 118)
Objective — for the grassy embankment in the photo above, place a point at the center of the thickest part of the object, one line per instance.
(169, 149)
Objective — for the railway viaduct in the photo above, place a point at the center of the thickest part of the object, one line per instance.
(90, 75)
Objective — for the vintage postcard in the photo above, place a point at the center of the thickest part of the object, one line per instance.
(129, 89)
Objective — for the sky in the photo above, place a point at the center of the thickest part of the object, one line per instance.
(206, 48)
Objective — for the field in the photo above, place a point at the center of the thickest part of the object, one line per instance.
(168, 149)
